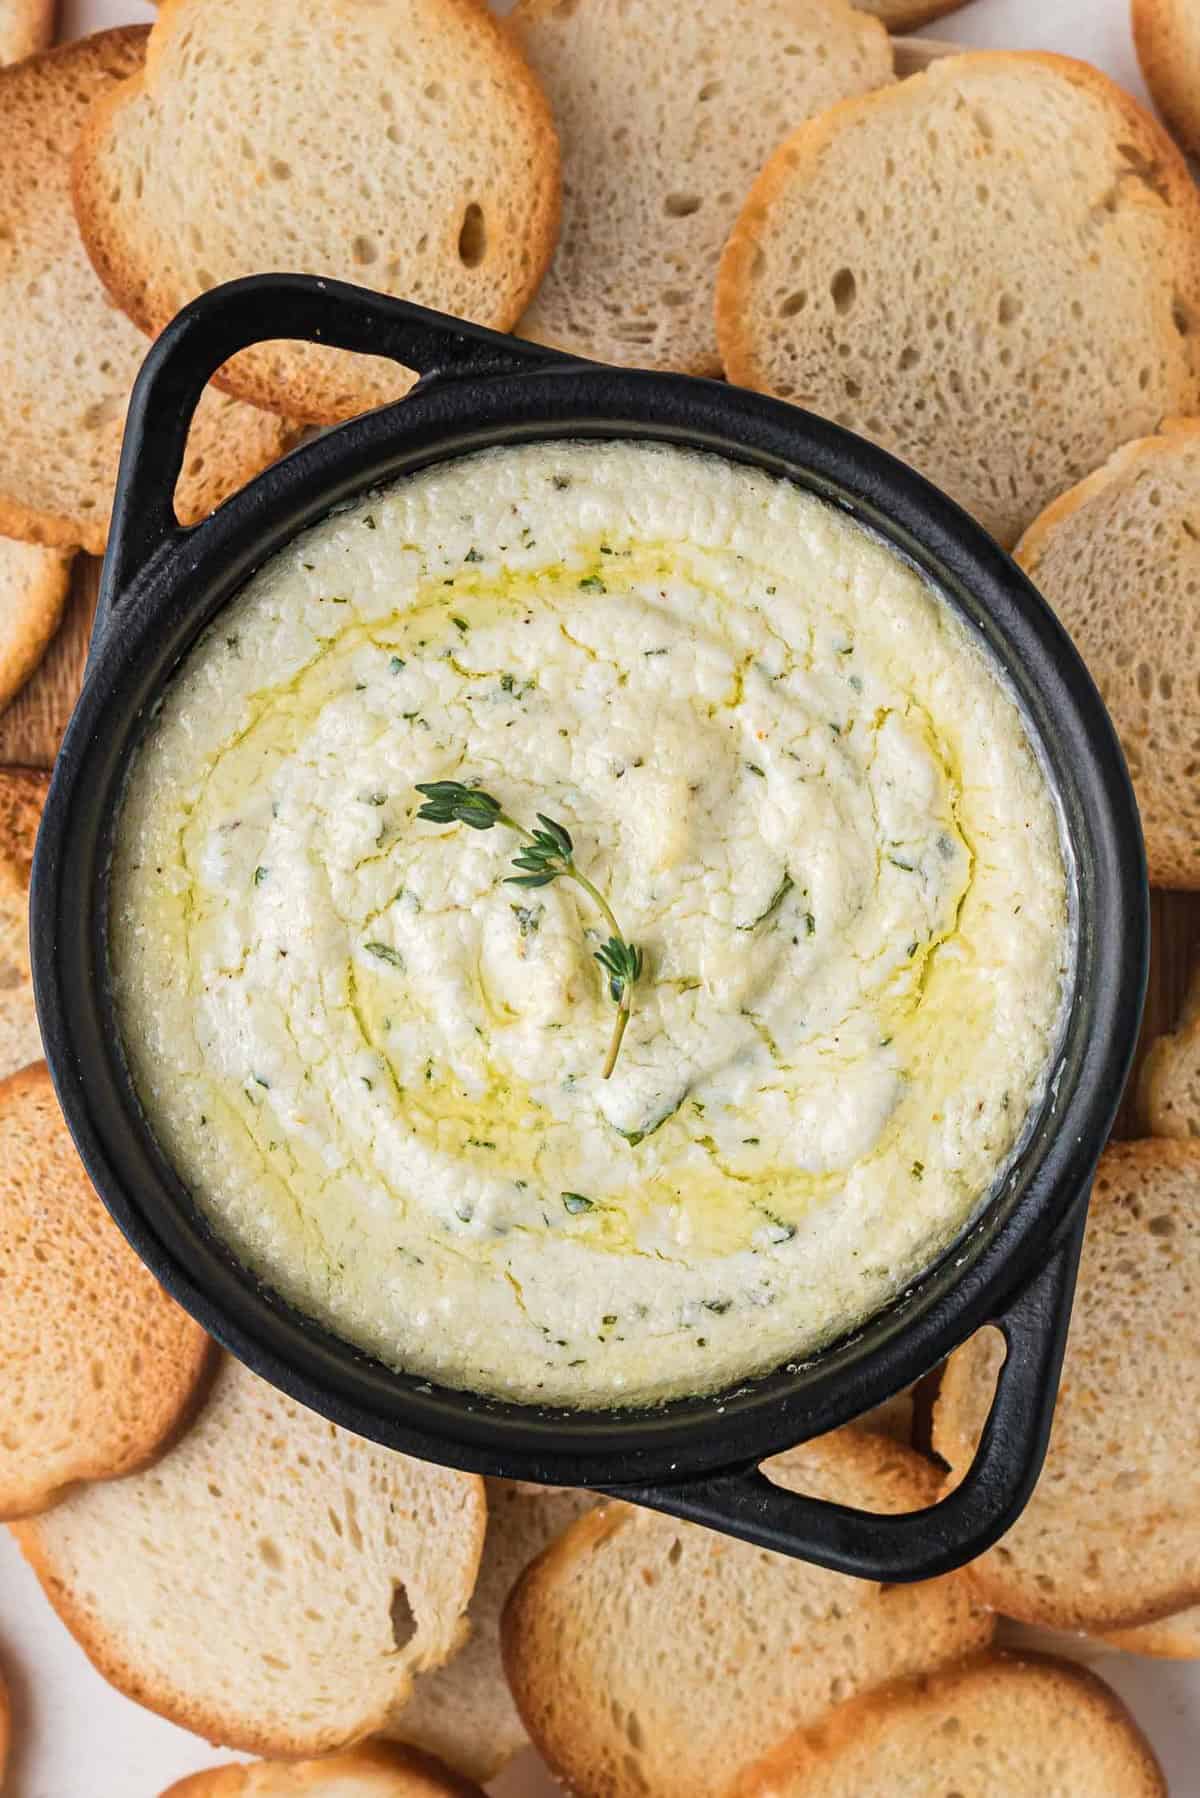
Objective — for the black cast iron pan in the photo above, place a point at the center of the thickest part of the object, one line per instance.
(697, 1458)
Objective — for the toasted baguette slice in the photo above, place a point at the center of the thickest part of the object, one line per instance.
(25, 26)
(656, 167)
(1057, 220)
(33, 592)
(98, 1367)
(651, 1656)
(376, 1770)
(1167, 36)
(1022, 1727)
(464, 1711)
(1174, 1638)
(22, 795)
(1111, 1536)
(1169, 1087)
(280, 1580)
(1118, 557)
(404, 145)
(68, 357)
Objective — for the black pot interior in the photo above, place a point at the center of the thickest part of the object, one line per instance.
(154, 624)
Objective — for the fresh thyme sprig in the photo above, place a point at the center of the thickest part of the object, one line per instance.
(548, 854)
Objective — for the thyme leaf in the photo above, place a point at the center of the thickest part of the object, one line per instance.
(384, 952)
(547, 854)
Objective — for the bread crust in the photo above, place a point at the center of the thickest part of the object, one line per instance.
(783, 1771)
(56, 1238)
(48, 496)
(33, 592)
(748, 345)
(25, 26)
(120, 1670)
(1174, 1638)
(255, 1721)
(291, 380)
(385, 1772)
(463, 1713)
(1005, 1577)
(1174, 1059)
(1166, 35)
(549, 1630)
(1173, 856)
(909, 15)
(631, 284)
(22, 796)
(1033, 542)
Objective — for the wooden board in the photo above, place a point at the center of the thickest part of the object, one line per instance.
(31, 728)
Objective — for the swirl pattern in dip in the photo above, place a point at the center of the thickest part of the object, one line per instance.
(811, 801)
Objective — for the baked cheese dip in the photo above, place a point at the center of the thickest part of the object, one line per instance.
(381, 1064)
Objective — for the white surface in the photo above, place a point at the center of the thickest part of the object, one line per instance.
(76, 1738)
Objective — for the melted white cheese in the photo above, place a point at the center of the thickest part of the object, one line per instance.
(811, 802)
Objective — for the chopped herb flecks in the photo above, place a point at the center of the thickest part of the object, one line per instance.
(384, 952)
(529, 918)
(776, 900)
(575, 1202)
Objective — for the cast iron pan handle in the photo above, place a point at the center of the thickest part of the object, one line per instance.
(231, 318)
(914, 1545)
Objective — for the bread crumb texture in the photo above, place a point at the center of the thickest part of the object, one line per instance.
(659, 150)
(25, 26)
(282, 1581)
(68, 357)
(1118, 557)
(464, 1711)
(98, 1366)
(376, 1770)
(992, 269)
(404, 145)
(22, 795)
(648, 1655)
(1111, 1536)
(1027, 1727)
(33, 592)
